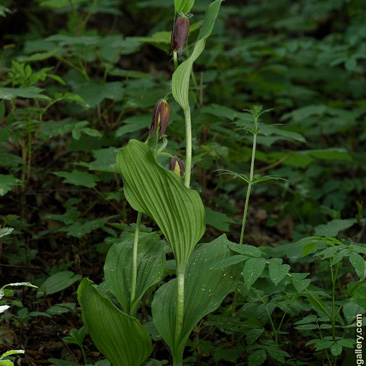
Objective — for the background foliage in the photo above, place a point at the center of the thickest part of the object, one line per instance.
(79, 78)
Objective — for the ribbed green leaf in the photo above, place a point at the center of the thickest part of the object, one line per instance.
(180, 80)
(205, 289)
(120, 337)
(161, 194)
(150, 269)
(253, 269)
(183, 6)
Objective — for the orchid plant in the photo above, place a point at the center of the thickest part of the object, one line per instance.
(137, 263)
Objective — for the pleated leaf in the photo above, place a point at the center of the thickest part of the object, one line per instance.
(120, 337)
(118, 268)
(161, 194)
(181, 76)
(183, 6)
(205, 289)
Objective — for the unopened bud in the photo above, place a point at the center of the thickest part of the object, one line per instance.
(160, 118)
(180, 34)
(177, 166)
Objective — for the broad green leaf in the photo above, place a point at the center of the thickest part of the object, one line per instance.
(277, 354)
(183, 6)
(359, 264)
(277, 270)
(94, 93)
(336, 349)
(331, 154)
(245, 249)
(105, 160)
(205, 289)
(299, 281)
(58, 282)
(349, 343)
(118, 268)
(79, 178)
(230, 261)
(181, 76)
(257, 358)
(158, 37)
(253, 269)
(64, 40)
(161, 194)
(10, 160)
(307, 327)
(133, 124)
(218, 220)
(120, 337)
(252, 335)
(6, 363)
(7, 182)
(32, 92)
(333, 227)
(79, 229)
(350, 310)
(359, 296)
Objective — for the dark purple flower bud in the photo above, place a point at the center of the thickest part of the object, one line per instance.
(160, 118)
(180, 34)
(177, 166)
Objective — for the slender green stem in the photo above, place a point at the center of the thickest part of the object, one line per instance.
(334, 281)
(134, 257)
(269, 318)
(187, 116)
(84, 355)
(249, 184)
(87, 18)
(245, 212)
(180, 302)
(175, 58)
(283, 317)
(178, 357)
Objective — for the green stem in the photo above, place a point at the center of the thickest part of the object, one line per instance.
(84, 355)
(87, 18)
(178, 357)
(187, 116)
(249, 184)
(175, 58)
(283, 317)
(334, 280)
(319, 303)
(134, 258)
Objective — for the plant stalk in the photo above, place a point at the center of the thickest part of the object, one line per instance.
(178, 358)
(175, 58)
(134, 258)
(187, 117)
(249, 184)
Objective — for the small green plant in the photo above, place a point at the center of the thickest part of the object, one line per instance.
(77, 337)
(255, 130)
(6, 292)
